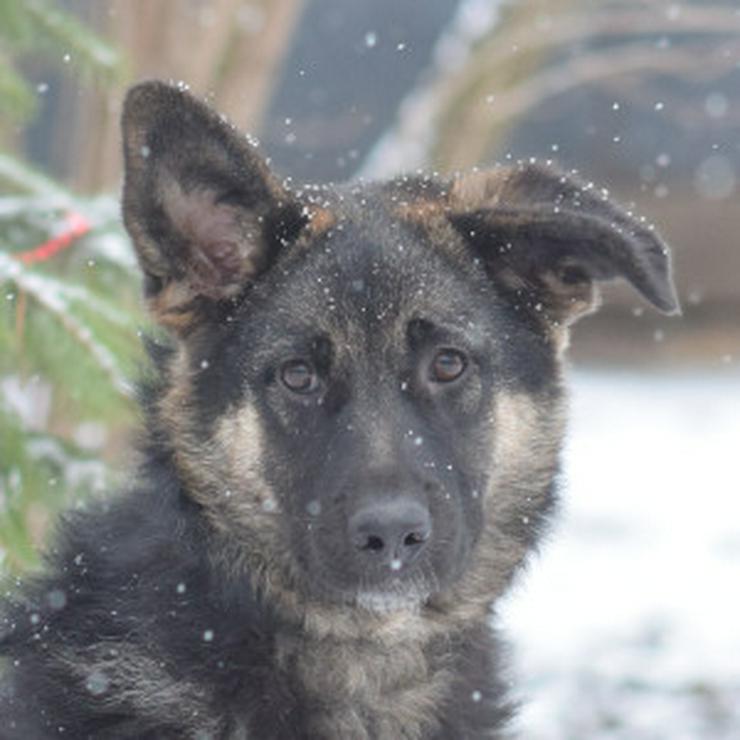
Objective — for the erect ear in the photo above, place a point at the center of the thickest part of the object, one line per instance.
(548, 237)
(205, 213)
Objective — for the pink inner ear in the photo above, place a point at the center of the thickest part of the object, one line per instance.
(220, 252)
(214, 266)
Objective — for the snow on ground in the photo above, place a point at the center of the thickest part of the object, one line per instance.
(627, 627)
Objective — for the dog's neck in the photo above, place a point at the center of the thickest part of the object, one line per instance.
(389, 683)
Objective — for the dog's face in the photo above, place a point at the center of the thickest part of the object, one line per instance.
(365, 393)
(368, 393)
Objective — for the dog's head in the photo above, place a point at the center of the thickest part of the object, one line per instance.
(365, 393)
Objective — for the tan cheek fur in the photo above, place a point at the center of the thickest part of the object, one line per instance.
(238, 437)
(223, 473)
(521, 430)
(524, 457)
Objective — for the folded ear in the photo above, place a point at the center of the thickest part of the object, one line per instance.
(205, 213)
(548, 237)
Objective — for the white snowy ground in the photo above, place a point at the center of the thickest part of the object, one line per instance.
(627, 626)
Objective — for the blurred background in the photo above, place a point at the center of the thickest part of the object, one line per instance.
(628, 626)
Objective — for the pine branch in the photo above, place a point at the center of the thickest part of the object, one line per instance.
(60, 31)
(15, 27)
(39, 26)
(39, 475)
(17, 102)
(53, 296)
(19, 177)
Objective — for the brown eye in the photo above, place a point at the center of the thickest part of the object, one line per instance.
(448, 365)
(299, 376)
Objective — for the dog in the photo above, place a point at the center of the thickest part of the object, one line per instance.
(351, 446)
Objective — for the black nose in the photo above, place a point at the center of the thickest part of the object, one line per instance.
(390, 531)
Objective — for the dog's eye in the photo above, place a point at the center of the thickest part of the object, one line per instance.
(299, 376)
(447, 365)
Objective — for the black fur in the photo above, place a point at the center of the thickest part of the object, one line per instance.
(231, 590)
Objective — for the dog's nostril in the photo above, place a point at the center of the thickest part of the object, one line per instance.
(412, 539)
(415, 538)
(373, 543)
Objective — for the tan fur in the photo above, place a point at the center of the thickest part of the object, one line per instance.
(523, 461)
(239, 436)
(223, 475)
(570, 302)
(176, 401)
(173, 307)
(421, 210)
(524, 429)
(320, 220)
(475, 189)
(395, 685)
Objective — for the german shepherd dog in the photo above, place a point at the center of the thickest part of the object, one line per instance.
(351, 446)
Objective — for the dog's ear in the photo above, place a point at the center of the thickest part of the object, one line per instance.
(205, 213)
(547, 238)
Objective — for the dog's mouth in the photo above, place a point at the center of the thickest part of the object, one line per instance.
(387, 602)
(403, 590)
(392, 556)
(394, 596)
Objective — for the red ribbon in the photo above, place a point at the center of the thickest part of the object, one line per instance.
(77, 226)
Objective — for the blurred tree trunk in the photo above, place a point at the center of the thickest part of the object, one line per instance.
(466, 126)
(228, 49)
(541, 49)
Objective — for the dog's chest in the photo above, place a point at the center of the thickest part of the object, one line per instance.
(363, 689)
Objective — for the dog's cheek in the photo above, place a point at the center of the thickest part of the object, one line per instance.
(239, 437)
(524, 461)
(474, 491)
(225, 474)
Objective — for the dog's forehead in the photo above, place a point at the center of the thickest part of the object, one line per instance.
(369, 268)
